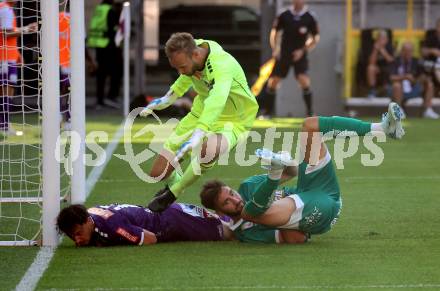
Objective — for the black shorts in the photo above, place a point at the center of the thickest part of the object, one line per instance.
(282, 66)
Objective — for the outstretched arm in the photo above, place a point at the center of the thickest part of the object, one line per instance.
(180, 86)
(276, 215)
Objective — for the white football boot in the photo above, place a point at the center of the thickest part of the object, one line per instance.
(392, 121)
(274, 161)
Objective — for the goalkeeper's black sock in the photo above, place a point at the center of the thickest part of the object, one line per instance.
(191, 174)
(266, 100)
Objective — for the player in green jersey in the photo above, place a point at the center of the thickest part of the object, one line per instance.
(313, 206)
(244, 230)
(222, 113)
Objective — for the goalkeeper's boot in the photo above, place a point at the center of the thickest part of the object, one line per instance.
(392, 121)
(162, 200)
(274, 161)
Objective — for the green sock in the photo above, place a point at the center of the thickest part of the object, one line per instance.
(339, 124)
(173, 178)
(262, 197)
(189, 177)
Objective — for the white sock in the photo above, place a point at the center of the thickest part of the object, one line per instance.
(376, 127)
(275, 174)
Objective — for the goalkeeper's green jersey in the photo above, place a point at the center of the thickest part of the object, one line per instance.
(248, 231)
(223, 92)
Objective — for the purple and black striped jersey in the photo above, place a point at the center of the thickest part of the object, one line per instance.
(123, 224)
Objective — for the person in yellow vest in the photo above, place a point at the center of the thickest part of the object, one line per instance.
(103, 26)
(9, 60)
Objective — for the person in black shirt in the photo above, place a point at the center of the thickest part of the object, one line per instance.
(431, 52)
(295, 32)
(379, 62)
(409, 82)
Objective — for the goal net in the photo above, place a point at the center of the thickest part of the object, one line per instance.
(21, 109)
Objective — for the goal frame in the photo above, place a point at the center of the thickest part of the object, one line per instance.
(51, 118)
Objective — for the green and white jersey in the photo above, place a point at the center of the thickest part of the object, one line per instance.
(246, 231)
(317, 197)
(223, 91)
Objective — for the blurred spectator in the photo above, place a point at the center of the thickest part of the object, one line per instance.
(431, 53)
(64, 46)
(379, 61)
(10, 60)
(409, 82)
(103, 26)
(295, 32)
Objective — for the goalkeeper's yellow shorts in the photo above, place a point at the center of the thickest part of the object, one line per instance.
(232, 131)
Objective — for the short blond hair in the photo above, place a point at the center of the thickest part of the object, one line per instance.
(180, 42)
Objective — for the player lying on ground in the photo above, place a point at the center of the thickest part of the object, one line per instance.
(313, 206)
(223, 111)
(126, 224)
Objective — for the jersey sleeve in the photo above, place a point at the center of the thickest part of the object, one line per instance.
(221, 78)
(247, 187)
(6, 18)
(257, 193)
(257, 234)
(314, 27)
(123, 232)
(181, 85)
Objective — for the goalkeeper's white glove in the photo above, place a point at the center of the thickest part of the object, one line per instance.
(193, 142)
(159, 103)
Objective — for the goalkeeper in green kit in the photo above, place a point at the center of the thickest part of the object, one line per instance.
(222, 113)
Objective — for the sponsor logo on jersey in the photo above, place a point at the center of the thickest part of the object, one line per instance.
(104, 213)
(192, 210)
(303, 30)
(197, 211)
(313, 217)
(278, 194)
(122, 232)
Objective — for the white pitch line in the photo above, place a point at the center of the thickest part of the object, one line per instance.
(270, 287)
(44, 256)
(277, 287)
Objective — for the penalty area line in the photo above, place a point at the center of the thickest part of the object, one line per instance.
(274, 287)
(45, 254)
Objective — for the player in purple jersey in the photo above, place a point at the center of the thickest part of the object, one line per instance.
(124, 224)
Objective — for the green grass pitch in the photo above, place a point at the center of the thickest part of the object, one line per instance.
(388, 235)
